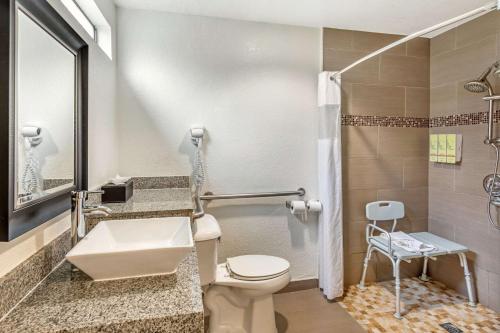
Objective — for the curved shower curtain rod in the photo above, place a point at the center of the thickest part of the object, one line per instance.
(481, 10)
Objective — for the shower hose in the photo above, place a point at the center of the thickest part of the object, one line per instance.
(492, 186)
(199, 168)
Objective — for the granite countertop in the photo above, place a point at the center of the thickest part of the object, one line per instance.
(71, 302)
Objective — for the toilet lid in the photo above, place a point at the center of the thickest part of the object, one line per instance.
(256, 267)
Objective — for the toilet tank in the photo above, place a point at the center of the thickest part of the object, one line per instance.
(206, 237)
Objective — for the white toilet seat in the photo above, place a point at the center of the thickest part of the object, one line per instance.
(270, 285)
(256, 267)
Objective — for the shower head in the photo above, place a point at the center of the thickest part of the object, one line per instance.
(475, 86)
(481, 84)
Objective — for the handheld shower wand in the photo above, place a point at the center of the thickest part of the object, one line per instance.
(491, 182)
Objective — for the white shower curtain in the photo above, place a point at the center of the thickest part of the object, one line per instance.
(331, 268)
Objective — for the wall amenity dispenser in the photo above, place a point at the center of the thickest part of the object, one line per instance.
(445, 148)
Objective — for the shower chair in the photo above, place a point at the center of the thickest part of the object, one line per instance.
(381, 211)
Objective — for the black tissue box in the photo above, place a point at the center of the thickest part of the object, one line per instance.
(117, 193)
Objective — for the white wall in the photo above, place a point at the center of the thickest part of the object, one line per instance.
(102, 140)
(253, 86)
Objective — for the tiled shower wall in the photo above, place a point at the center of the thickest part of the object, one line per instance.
(385, 151)
(457, 201)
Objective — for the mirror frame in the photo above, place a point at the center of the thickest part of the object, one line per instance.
(17, 221)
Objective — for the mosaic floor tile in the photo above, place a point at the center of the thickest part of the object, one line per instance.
(425, 305)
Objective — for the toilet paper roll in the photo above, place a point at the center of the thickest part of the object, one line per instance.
(297, 207)
(31, 131)
(314, 206)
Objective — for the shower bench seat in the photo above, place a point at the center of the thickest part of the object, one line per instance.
(393, 210)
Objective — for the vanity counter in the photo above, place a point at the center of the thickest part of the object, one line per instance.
(69, 301)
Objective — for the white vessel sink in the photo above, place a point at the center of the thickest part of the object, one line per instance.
(122, 249)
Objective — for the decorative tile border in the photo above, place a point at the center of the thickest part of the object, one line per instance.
(464, 119)
(22, 279)
(384, 121)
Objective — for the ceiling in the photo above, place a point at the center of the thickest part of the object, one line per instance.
(388, 16)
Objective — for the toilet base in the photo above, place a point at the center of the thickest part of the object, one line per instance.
(232, 310)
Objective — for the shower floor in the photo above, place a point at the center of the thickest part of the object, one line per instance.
(425, 304)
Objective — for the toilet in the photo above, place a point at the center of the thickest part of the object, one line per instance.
(237, 293)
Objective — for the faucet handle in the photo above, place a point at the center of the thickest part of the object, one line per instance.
(95, 192)
(83, 194)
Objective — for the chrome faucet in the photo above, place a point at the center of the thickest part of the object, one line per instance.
(80, 210)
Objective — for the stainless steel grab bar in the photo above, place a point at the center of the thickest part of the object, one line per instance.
(209, 196)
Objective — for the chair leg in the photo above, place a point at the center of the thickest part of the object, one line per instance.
(424, 276)
(397, 314)
(361, 284)
(468, 279)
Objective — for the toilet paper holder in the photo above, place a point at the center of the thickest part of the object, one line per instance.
(288, 204)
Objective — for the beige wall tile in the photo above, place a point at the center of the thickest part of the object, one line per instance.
(483, 245)
(463, 63)
(447, 269)
(346, 98)
(469, 176)
(418, 47)
(337, 39)
(363, 173)
(360, 141)
(458, 209)
(415, 172)
(477, 29)
(494, 291)
(372, 41)
(473, 147)
(420, 224)
(377, 100)
(366, 72)
(441, 176)
(404, 71)
(415, 201)
(354, 202)
(443, 229)
(403, 142)
(355, 240)
(353, 268)
(443, 100)
(480, 278)
(443, 43)
(417, 102)
(384, 270)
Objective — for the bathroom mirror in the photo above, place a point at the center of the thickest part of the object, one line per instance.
(43, 100)
(44, 113)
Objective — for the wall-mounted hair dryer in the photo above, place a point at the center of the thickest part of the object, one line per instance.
(32, 136)
(197, 133)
